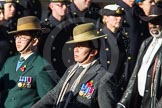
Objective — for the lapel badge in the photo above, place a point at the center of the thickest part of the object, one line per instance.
(23, 68)
(87, 90)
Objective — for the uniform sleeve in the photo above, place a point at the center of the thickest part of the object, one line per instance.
(44, 81)
(47, 101)
(106, 95)
(50, 98)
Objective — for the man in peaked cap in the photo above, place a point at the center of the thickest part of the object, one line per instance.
(114, 47)
(29, 7)
(26, 77)
(145, 85)
(84, 84)
(10, 16)
(54, 42)
(4, 44)
(9, 9)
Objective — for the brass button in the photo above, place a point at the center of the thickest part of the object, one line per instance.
(129, 58)
(107, 49)
(108, 62)
(126, 33)
(100, 29)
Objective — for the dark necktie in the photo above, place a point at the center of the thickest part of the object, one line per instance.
(76, 74)
(71, 81)
(21, 59)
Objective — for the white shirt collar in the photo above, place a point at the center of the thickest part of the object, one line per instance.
(25, 57)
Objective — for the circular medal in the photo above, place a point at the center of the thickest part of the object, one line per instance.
(81, 93)
(19, 84)
(28, 85)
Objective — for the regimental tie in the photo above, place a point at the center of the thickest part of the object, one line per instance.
(20, 62)
(68, 94)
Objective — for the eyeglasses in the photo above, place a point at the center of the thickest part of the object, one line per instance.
(20, 37)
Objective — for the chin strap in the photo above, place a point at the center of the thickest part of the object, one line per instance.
(27, 45)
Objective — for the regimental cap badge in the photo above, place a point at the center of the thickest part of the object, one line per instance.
(118, 11)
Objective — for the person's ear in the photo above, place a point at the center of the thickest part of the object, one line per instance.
(35, 41)
(94, 52)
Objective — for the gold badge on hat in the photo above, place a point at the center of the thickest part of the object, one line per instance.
(118, 11)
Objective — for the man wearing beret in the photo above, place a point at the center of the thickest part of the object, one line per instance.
(26, 77)
(114, 47)
(59, 54)
(85, 84)
(145, 85)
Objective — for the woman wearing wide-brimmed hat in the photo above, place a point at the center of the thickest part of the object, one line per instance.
(86, 83)
(145, 86)
(25, 78)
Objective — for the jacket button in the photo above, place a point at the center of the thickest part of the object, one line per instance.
(69, 61)
(13, 98)
(52, 36)
(129, 58)
(53, 48)
(126, 33)
(105, 37)
(141, 34)
(149, 76)
(107, 49)
(70, 49)
(54, 59)
(125, 21)
(108, 62)
(146, 91)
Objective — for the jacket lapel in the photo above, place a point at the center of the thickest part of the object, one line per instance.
(90, 74)
(112, 40)
(28, 64)
(142, 51)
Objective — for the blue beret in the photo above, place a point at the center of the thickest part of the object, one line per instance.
(137, 1)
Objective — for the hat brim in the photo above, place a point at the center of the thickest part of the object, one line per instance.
(42, 30)
(107, 12)
(150, 18)
(84, 40)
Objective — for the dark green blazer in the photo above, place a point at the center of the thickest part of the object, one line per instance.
(14, 89)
